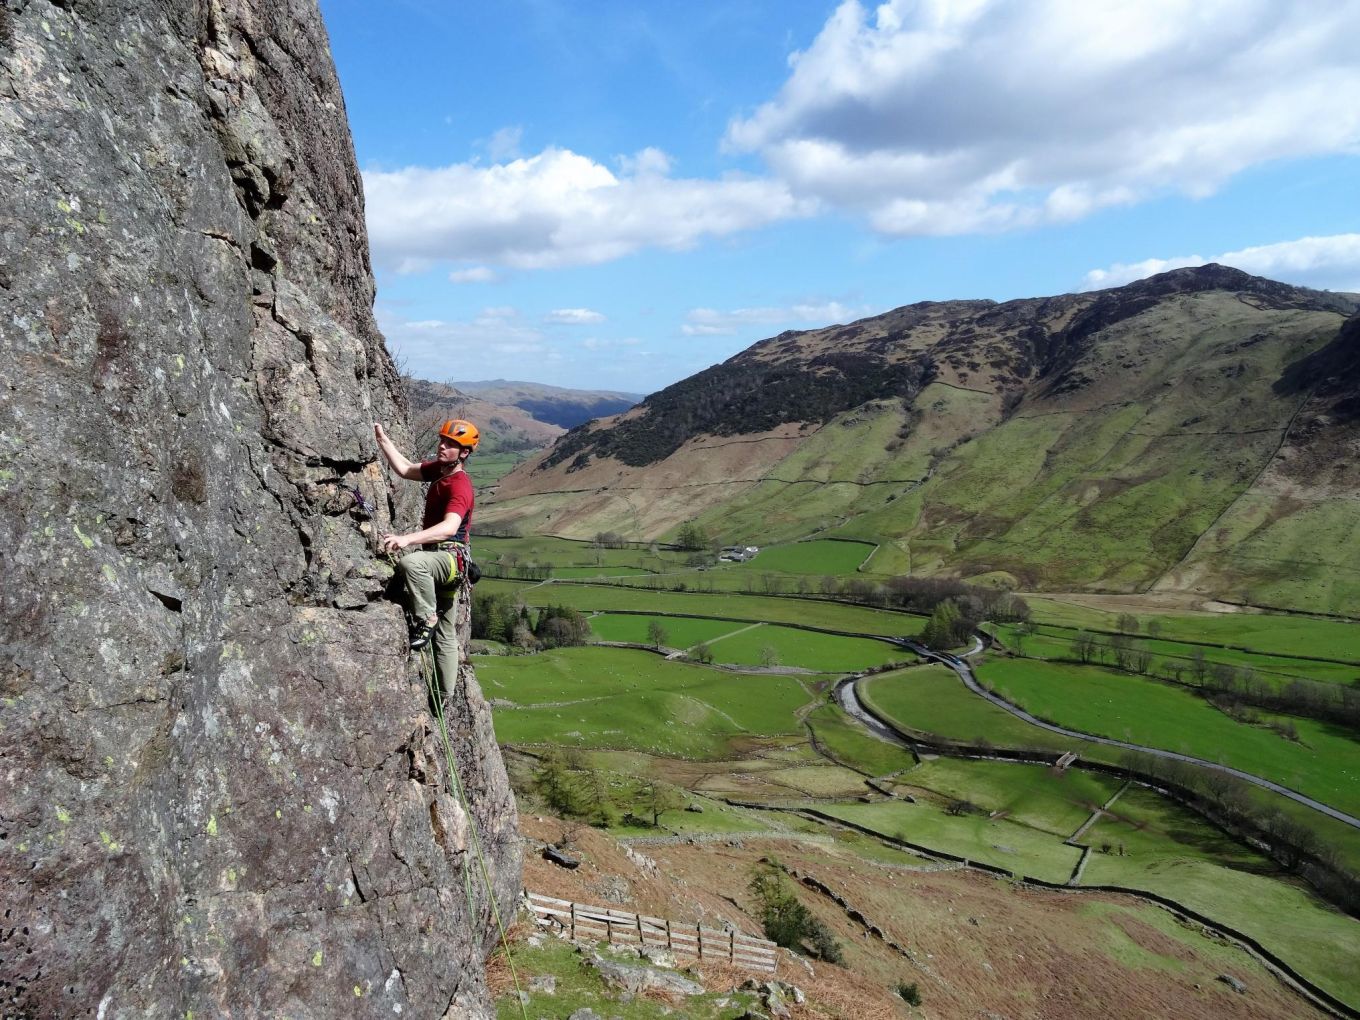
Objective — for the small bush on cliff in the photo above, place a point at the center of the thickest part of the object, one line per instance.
(786, 921)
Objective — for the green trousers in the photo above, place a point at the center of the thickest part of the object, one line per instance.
(431, 580)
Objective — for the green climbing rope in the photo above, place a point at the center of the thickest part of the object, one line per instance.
(437, 701)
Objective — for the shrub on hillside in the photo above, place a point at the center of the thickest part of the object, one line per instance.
(786, 921)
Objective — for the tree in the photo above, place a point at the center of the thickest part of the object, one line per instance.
(1084, 646)
(1122, 648)
(692, 536)
(769, 656)
(658, 798)
(522, 636)
(656, 635)
(561, 626)
(701, 652)
(940, 630)
(554, 783)
(1198, 665)
(1154, 628)
(596, 802)
(1127, 622)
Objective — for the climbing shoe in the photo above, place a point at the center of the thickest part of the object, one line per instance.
(420, 636)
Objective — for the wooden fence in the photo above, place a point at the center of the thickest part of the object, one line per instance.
(619, 927)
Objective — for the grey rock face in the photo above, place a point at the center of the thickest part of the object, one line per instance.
(221, 791)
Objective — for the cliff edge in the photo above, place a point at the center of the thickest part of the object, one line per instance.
(222, 790)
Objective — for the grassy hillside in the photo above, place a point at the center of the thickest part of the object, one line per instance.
(1167, 435)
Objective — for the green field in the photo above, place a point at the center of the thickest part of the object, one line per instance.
(1268, 633)
(846, 741)
(1170, 851)
(1052, 642)
(820, 557)
(749, 608)
(503, 555)
(745, 644)
(822, 653)
(599, 573)
(1034, 795)
(1000, 842)
(681, 632)
(933, 701)
(1324, 764)
(634, 700)
(489, 468)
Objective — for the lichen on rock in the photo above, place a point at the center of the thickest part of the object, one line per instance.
(223, 792)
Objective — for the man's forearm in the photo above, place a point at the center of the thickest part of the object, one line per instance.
(394, 456)
(446, 528)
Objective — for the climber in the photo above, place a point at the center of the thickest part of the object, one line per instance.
(432, 573)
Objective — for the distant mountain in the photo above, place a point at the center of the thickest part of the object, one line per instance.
(553, 404)
(1198, 431)
(503, 427)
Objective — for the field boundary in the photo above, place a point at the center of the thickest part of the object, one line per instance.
(965, 674)
(743, 619)
(1320, 997)
(1179, 641)
(624, 928)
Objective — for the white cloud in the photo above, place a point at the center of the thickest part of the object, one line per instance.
(474, 274)
(558, 208)
(951, 116)
(1325, 263)
(711, 322)
(496, 341)
(573, 316)
(597, 344)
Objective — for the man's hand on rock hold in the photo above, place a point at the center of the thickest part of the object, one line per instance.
(394, 543)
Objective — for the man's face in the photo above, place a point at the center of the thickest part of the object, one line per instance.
(448, 451)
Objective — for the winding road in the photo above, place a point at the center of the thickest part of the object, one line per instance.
(849, 700)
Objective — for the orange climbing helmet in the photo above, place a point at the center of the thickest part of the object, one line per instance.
(464, 433)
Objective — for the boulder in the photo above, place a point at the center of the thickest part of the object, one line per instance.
(637, 978)
(1234, 983)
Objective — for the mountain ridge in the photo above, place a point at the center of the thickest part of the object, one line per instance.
(1036, 430)
(557, 405)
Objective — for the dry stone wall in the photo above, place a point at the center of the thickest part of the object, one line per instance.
(221, 792)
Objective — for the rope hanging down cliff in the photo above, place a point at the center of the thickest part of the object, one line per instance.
(437, 700)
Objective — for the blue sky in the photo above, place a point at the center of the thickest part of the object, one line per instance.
(617, 195)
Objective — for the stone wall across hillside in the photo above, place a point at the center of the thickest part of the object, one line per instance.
(221, 792)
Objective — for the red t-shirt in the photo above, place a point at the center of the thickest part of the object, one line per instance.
(450, 494)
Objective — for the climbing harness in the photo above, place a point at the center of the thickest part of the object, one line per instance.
(464, 566)
(427, 666)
